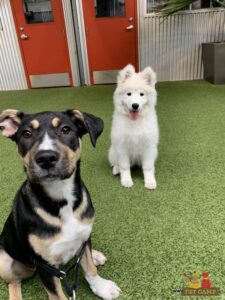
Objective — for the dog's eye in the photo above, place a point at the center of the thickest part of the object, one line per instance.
(65, 130)
(129, 94)
(26, 134)
(141, 94)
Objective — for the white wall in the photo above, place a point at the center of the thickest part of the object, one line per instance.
(12, 74)
(71, 41)
(172, 46)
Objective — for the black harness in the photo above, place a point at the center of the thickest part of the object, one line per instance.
(62, 275)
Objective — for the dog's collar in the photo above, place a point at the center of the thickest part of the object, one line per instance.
(62, 275)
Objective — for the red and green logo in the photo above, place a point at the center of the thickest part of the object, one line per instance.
(198, 284)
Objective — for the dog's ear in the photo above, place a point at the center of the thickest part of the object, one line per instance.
(150, 76)
(125, 74)
(10, 120)
(87, 123)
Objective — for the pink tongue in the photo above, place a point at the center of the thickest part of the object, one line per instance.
(134, 115)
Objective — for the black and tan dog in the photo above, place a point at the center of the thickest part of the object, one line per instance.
(52, 214)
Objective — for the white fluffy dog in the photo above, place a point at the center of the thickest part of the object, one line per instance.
(134, 133)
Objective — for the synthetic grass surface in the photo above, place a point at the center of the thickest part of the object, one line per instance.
(149, 237)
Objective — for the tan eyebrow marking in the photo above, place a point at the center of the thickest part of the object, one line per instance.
(56, 122)
(35, 124)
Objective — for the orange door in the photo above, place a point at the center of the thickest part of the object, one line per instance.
(42, 37)
(111, 33)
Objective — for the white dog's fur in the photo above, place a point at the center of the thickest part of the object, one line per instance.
(134, 133)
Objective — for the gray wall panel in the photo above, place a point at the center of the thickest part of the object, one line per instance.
(172, 46)
(12, 75)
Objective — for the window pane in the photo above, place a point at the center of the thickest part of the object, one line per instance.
(38, 11)
(154, 5)
(200, 4)
(157, 5)
(204, 4)
(109, 8)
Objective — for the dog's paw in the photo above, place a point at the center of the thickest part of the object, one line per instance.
(127, 182)
(99, 258)
(115, 170)
(151, 184)
(105, 289)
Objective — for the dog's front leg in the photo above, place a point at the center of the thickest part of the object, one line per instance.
(105, 289)
(52, 285)
(124, 166)
(15, 291)
(125, 177)
(148, 166)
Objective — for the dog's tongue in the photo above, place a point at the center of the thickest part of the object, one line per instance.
(134, 115)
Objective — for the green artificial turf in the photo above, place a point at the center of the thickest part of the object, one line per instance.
(149, 237)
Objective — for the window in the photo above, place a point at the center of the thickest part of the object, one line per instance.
(157, 5)
(154, 5)
(204, 4)
(38, 11)
(109, 8)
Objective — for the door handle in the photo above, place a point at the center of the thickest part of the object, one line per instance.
(23, 36)
(130, 27)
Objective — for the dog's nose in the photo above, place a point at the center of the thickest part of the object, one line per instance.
(47, 159)
(135, 106)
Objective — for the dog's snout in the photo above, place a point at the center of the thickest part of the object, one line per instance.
(47, 159)
(135, 106)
